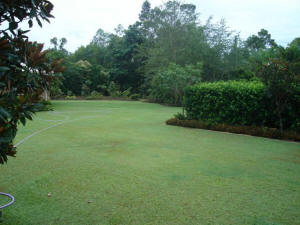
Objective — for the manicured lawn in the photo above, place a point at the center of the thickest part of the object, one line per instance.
(117, 163)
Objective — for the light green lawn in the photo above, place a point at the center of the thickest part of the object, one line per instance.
(135, 170)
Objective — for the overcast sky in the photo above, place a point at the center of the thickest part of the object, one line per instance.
(78, 20)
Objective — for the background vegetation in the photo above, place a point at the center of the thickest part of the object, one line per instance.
(169, 49)
(166, 50)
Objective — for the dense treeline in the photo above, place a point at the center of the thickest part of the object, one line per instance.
(142, 59)
(169, 49)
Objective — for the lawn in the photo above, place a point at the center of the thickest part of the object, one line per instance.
(117, 163)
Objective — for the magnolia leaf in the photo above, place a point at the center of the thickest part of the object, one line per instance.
(13, 25)
(30, 23)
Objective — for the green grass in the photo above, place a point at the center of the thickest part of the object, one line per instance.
(136, 170)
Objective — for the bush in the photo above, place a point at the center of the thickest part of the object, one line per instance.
(167, 86)
(114, 90)
(70, 93)
(72, 97)
(95, 95)
(237, 103)
(126, 93)
(45, 106)
(180, 116)
(134, 97)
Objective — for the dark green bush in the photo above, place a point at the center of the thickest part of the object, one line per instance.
(72, 97)
(238, 103)
(180, 116)
(45, 106)
(135, 97)
(95, 96)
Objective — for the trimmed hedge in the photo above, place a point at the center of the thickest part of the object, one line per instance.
(248, 130)
(237, 103)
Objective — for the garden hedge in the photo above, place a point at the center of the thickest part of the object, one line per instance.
(238, 103)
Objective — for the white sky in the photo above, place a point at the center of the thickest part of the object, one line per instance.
(79, 20)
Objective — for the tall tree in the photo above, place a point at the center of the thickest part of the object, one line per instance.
(124, 58)
(101, 38)
(174, 29)
(262, 40)
(281, 76)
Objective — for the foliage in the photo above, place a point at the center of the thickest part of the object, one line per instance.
(233, 102)
(138, 57)
(180, 116)
(238, 103)
(135, 97)
(58, 45)
(295, 43)
(281, 77)
(94, 96)
(45, 106)
(262, 40)
(70, 97)
(113, 90)
(125, 63)
(172, 36)
(168, 85)
(76, 77)
(55, 90)
(25, 71)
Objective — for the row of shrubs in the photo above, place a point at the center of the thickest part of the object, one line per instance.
(98, 96)
(248, 130)
(241, 103)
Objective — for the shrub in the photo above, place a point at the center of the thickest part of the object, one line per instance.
(168, 85)
(113, 89)
(72, 97)
(180, 116)
(233, 102)
(280, 76)
(134, 97)
(237, 103)
(95, 95)
(45, 106)
(126, 93)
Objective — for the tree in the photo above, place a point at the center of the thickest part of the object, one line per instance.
(295, 43)
(168, 85)
(53, 41)
(262, 40)
(25, 70)
(219, 41)
(125, 63)
(173, 32)
(281, 76)
(63, 42)
(101, 38)
(145, 12)
(59, 45)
